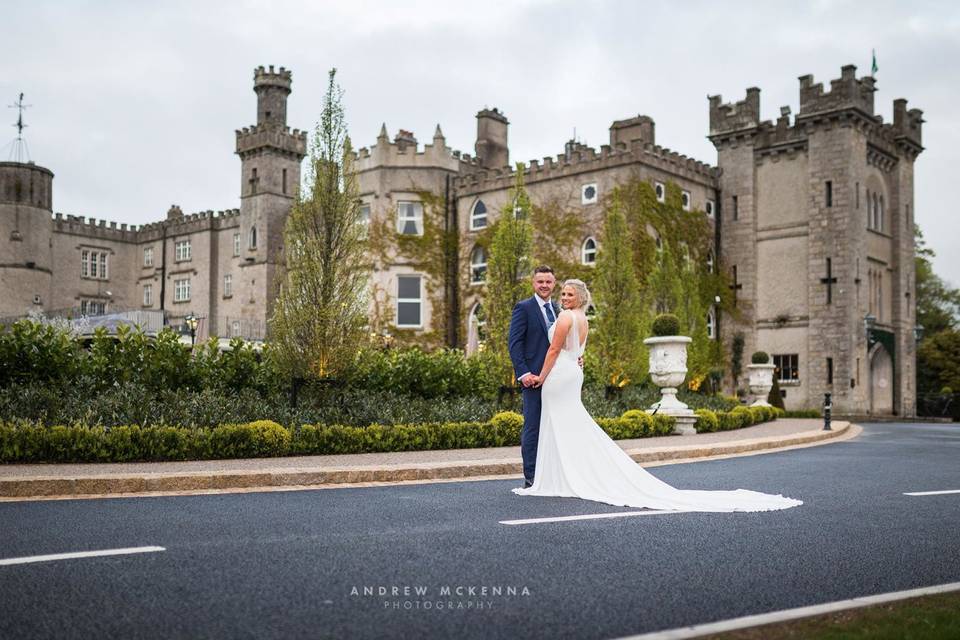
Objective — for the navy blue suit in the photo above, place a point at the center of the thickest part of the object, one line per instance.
(528, 345)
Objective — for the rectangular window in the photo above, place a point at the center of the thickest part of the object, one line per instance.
(227, 285)
(858, 195)
(829, 193)
(93, 264)
(84, 258)
(787, 367)
(284, 180)
(182, 250)
(148, 257)
(93, 307)
(409, 302)
(410, 218)
(736, 208)
(830, 371)
(235, 329)
(236, 244)
(147, 295)
(181, 290)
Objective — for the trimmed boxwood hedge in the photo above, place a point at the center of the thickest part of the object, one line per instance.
(31, 442)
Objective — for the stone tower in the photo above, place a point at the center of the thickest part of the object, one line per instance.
(816, 235)
(491, 146)
(270, 156)
(26, 269)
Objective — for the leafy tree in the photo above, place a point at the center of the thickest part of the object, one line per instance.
(938, 303)
(507, 269)
(318, 318)
(938, 362)
(618, 300)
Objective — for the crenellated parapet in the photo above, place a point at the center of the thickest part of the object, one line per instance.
(251, 140)
(184, 224)
(846, 93)
(93, 228)
(405, 152)
(266, 76)
(732, 118)
(579, 158)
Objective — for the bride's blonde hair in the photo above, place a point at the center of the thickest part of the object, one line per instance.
(583, 294)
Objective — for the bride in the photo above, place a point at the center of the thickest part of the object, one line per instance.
(577, 459)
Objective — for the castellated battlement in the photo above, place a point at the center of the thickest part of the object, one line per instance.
(846, 92)
(268, 77)
(907, 125)
(736, 116)
(182, 224)
(94, 228)
(404, 151)
(581, 159)
(250, 139)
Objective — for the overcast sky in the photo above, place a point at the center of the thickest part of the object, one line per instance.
(135, 103)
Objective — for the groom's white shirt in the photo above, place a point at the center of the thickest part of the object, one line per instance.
(546, 320)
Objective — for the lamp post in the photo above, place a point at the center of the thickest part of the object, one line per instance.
(918, 332)
(869, 321)
(192, 322)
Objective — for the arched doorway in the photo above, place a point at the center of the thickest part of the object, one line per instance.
(881, 380)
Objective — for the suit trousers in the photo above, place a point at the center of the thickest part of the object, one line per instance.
(530, 435)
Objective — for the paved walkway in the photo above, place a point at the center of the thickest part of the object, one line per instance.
(20, 481)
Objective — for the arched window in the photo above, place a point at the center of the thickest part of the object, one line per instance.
(588, 252)
(478, 217)
(710, 261)
(876, 209)
(478, 265)
(476, 330)
(712, 324)
(253, 237)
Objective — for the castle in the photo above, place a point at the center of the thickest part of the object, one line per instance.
(812, 216)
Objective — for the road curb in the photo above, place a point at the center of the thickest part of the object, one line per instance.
(48, 486)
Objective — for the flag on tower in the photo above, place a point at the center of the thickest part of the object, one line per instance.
(873, 66)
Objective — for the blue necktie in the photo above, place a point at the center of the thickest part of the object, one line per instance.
(550, 317)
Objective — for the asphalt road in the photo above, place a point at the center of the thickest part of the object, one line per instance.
(295, 564)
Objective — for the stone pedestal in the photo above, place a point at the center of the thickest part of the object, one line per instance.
(668, 369)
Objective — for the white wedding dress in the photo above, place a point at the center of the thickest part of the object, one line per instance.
(577, 459)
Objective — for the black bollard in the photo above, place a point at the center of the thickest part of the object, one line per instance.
(827, 406)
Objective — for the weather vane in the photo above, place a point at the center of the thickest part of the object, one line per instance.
(19, 149)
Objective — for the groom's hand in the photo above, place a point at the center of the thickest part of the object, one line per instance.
(528, 380)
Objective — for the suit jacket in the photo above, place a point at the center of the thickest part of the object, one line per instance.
(528, 341)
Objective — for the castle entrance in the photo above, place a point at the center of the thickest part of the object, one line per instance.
(881, 380)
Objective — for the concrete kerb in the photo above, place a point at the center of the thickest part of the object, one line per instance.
(166, 483)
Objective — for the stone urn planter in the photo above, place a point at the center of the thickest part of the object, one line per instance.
(668, 370)
(761, 382)
(760, 377)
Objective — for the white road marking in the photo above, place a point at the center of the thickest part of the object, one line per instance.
(590, 516)
(931, 493)
(79, 554)
(791, 614)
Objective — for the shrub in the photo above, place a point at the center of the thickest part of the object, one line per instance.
(640, 420)
(666, 324)
(707, 421)
(760, 357)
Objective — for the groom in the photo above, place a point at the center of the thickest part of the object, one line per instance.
(528, 344)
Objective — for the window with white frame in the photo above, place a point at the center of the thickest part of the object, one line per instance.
(787, 367)
(228, 285)
(712, 324)
(181, 290)
(253, 237)
(478, 216)
(479, 322)
(711, 260)
(93, 264)
(661, 191)
(147, 295)
(365, 214)
(685, 200)
(182, 250)
(148, 257)
(409, 301)
(93, 307)
(710, 208)
(235, 329)
(236, 244)
(588, 193)
(588, 251)
(410, 218)
(478, 265)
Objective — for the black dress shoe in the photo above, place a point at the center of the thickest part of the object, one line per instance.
(527, 484)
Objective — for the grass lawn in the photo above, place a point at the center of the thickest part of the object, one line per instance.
(936, 616)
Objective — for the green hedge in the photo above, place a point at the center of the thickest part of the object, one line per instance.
(30, 442)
